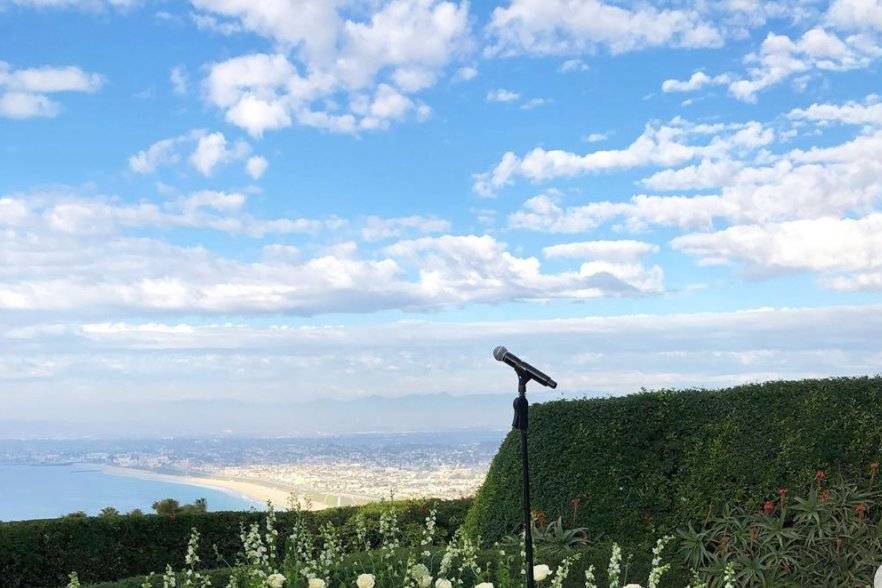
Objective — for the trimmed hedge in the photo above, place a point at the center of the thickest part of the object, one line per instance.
(43, 552)
(643, 465)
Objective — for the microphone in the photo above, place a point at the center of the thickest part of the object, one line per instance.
(504, 355)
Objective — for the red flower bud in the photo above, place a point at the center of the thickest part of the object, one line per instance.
(861, 510)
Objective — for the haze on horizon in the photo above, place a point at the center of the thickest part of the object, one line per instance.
(257, 205)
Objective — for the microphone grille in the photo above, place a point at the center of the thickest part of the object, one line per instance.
(499, 353)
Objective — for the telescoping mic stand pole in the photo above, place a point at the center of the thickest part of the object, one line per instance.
(521, 422)
(525, 373)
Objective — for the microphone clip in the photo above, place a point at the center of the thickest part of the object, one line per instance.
(521, 405)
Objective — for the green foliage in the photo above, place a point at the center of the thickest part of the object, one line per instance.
(505, 573)
(42, 553)
(166, 507)
(830, 537)
(108, 511)
(633, 468)
(218, 577)
(169, 507)
(554, 534)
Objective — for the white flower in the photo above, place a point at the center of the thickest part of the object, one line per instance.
(633, 586)
(484, 585)
(316, 583)
(540, 572)
(424, 581)
(443, 583)
(275, 581)
(365, 581)
(877, 579)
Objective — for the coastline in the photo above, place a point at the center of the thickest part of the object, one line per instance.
(250, 490)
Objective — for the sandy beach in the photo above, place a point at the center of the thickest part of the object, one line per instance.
(255, 491)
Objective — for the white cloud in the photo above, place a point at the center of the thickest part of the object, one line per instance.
(23, 92)
(624, 250)
(73, 255)
(256, 166)
(856, 14)
(534, 103)
(179, 79)
(368, 68)
(465, 74)
(648, 350)
(709, 173)
(209, 150)
(502, 95)
(573, 65)
(160, 153)
(781, 57)
(846, 252)
(559, 27)
(78, 216)
(697, 81)
(596, 137)
(377, 228)
(854, 113)
(544, 213)
(21, 105)
(462, 269)
(843, 179)
(659, 145)
(92, 5)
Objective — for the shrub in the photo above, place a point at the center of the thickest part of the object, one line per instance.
(832, 536)
(43, 552)
(634, 468)
(320, 561)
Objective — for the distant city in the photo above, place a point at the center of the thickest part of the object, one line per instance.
(332, 470)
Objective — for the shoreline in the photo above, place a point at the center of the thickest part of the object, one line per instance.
(250, 490)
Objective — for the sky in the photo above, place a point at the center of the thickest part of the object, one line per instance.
(226, 201)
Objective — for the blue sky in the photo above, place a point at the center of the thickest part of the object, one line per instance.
(224, 200)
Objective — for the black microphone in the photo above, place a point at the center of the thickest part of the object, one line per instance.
(504, 355)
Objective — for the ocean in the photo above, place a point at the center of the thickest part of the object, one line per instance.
(38, 492)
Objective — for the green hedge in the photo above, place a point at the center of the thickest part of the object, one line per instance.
(643, 465)
(42, 552)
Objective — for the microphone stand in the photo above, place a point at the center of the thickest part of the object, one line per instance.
(520, 422)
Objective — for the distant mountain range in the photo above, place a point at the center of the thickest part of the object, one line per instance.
(182, 418)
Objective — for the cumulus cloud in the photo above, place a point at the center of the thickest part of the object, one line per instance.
(79, 216)
(557, 27)
(846, 252)
(209, 150)
(24, 92)
(867, 112)
(663, 145)
(179, 79)
(212, 149)
(843, 179)
(619, 250)
(697, 81)
(377, 228)
(856, 14)
(77, 254)
(256, 166)
(502, 95)
(92, 5)
(781, 57)
(370, 68)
